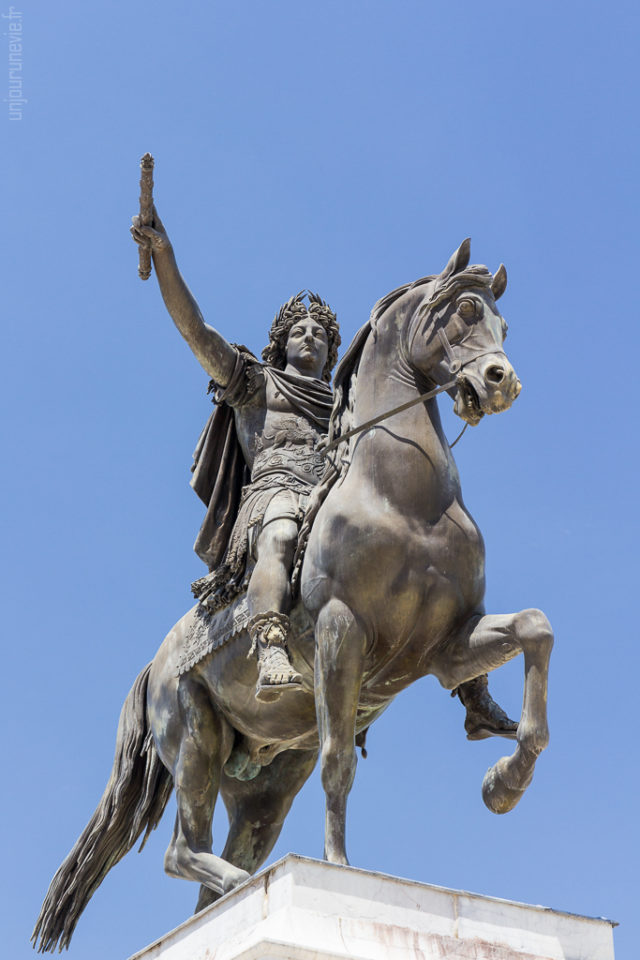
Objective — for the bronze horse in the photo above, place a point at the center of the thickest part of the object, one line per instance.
(393, 578)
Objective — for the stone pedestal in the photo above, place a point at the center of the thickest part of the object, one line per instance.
(302, 909)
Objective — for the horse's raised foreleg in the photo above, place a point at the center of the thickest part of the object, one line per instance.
(484, 644)
(340, 645)
(204, 745)
(506, 781)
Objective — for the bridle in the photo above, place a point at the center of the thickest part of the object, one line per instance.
(456, 366)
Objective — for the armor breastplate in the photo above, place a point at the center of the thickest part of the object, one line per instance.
(290, 449)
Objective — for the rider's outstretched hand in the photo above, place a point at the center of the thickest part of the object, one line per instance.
(153, 237)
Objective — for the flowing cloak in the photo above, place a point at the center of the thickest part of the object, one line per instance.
(220, 470)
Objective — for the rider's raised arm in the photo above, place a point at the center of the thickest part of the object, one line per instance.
(211, 349)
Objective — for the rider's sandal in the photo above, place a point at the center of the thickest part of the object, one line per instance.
(275, 674)
(268, 632)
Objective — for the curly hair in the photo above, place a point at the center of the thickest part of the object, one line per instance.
(290, 313)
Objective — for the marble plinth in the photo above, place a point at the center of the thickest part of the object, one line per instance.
(301, 909)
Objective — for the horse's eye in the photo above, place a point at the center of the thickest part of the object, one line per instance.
(466, 309)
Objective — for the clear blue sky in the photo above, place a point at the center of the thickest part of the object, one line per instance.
(347, 147)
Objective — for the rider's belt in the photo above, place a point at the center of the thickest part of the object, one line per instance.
(300, 460)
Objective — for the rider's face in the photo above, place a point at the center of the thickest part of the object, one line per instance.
(308, 347)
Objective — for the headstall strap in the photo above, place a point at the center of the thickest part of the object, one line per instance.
(454, 365)
(455, 368)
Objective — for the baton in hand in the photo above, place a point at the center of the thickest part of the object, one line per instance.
(146, 212)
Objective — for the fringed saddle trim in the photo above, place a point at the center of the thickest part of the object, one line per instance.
(209, 632)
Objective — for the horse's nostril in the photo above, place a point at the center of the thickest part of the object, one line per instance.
(494, 374)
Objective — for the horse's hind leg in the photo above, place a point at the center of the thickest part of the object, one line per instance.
(340, 646)
(257, 809)
(486, 643)
(204, 745)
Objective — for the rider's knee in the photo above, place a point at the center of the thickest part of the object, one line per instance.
(277, 541)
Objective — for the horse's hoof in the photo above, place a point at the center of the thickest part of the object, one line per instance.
(233, 879)
(498, 795)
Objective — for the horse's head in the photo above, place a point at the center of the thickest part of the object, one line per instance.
(456, 333)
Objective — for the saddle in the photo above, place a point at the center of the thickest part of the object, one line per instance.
(210, 631)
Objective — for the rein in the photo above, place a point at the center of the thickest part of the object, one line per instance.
(390, 413)
(455, 366)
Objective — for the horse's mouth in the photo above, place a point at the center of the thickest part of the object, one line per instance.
(467, 405)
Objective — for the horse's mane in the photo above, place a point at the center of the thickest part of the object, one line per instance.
(347, 370)
(385, 302)
(348, 366)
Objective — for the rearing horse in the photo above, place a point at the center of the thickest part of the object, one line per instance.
(403, 595)
(393, 578)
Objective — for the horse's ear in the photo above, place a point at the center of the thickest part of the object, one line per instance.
(499, 282)
(459, 260)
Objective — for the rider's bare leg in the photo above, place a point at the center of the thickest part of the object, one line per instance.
(269, 600)
(483, 644)
(257, 809)
(269, 588)
(206, 742)
(340, 646)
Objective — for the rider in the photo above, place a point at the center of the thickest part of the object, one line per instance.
(267, 427)
(281, 412)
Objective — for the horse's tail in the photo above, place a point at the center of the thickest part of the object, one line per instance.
(133, 801)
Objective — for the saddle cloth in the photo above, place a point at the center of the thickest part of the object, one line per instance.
(211, 631)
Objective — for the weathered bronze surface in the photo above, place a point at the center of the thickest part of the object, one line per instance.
(146, 212)
(389, 574)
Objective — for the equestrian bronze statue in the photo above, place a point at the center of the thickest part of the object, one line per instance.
(358, 496)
